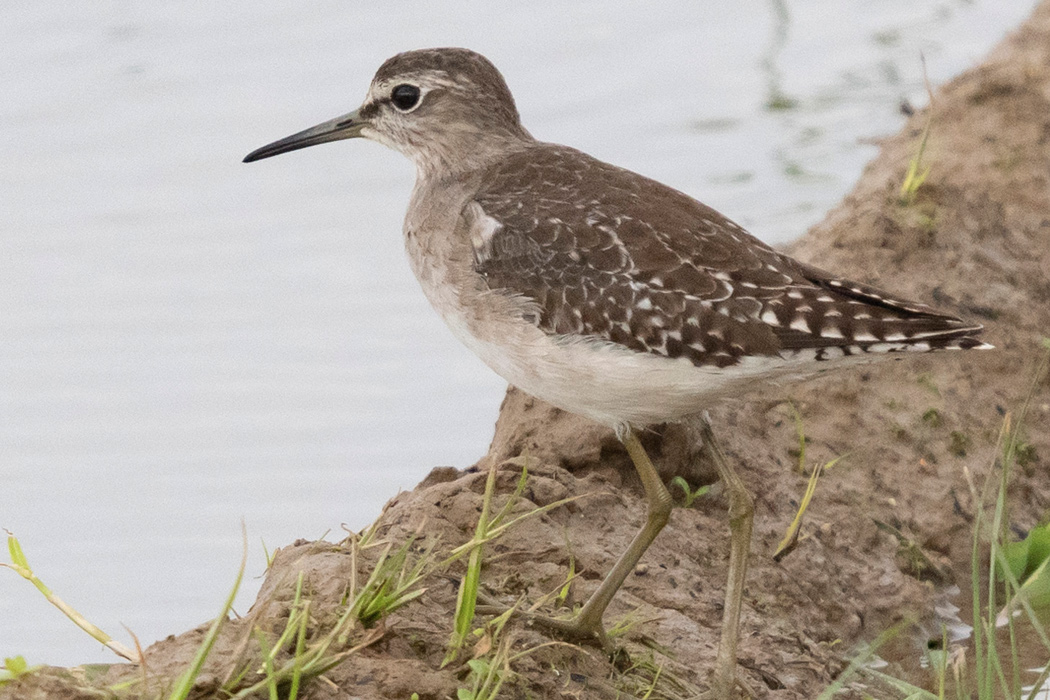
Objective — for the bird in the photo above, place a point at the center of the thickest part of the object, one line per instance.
(608, 294)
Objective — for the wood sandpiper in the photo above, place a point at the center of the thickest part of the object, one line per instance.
(605, 293)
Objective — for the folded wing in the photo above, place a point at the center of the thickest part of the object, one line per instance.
(633, 262)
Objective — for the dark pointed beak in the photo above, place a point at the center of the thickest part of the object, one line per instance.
(348, 126)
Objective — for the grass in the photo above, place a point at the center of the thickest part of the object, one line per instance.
(989, 673)
(1029, 561)
(493, 657)
(20, 565)
(299, 653)
(312, 643)
(792, 534)
(688, 494)
(185, 682)
(16, 667)
(648, 678)
(917, 172)
(490, 667)
(305, 650)
(488, 528)
(278, 665)
(1013, 579)
(994, 672)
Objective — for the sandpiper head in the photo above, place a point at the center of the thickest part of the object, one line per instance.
(447, 109)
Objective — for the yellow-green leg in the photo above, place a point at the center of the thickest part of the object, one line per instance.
(741, 517)
(587, 625)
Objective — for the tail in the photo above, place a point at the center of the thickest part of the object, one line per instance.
(846, 318)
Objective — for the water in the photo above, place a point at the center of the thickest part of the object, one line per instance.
(186, 341)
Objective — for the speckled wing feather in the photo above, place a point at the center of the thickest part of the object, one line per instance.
(610, 255)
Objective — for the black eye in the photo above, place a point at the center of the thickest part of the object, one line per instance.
(405, 97)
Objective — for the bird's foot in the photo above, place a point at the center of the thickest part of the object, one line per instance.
(723, 688)
(572, 630)
(578, 629)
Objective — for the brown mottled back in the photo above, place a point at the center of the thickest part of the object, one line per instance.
(610, 255)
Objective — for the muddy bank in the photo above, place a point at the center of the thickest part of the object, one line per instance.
(976, 241)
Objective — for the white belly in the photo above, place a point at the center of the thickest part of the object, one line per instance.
(601, 381)
(613, 385)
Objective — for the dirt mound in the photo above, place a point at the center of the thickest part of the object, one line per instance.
(975, 241)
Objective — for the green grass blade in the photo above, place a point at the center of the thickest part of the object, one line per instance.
(184, 684)
(856, 665)
(20, 565)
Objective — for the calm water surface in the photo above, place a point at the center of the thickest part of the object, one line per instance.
(186, 341)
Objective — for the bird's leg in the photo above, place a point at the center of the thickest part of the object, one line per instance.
(658, 513)
(587, 625)
(741, 517)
